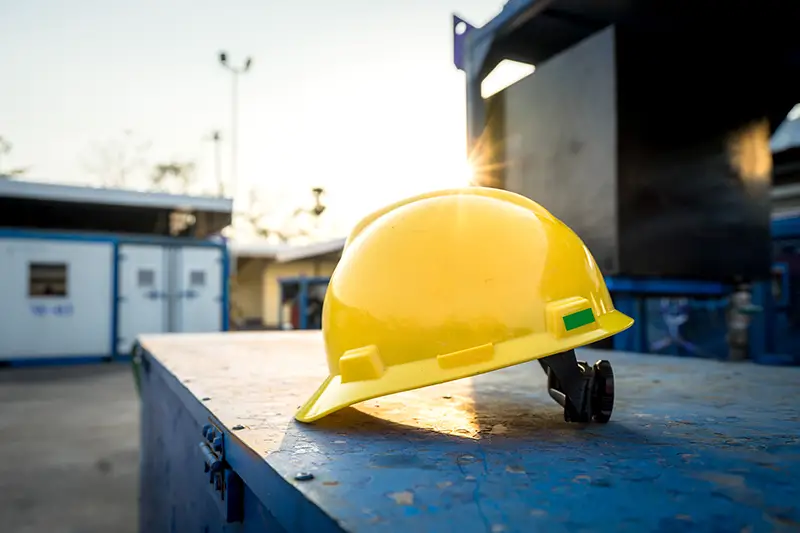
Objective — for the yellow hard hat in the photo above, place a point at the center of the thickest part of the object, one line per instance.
(451, 284)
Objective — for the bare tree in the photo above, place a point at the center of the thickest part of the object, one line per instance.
(311, 216)
(256, 216)
(259, 218)
(15, 172)
(117, 161)
(5, 149)
(174, 177)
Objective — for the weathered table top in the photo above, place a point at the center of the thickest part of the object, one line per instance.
(693, 445)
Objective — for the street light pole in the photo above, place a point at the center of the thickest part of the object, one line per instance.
(218, 163)
(235, 72)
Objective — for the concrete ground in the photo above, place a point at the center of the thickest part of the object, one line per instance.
(69, 451)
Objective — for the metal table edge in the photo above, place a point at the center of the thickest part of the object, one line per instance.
(286, 502)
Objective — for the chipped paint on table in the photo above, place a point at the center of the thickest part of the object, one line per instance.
(694, 445)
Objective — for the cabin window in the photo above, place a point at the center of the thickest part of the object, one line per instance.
(47, 280)
(146, 277)
(197, 278)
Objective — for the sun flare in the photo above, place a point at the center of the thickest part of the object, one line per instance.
(467, 172)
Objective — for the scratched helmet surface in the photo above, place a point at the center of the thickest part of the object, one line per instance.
(451, 284)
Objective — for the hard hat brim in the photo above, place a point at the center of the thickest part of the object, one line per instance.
(334, 395)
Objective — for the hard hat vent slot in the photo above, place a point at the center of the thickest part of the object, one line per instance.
(361, 364)
(470, 356)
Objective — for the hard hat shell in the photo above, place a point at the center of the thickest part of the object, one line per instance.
(451, 284)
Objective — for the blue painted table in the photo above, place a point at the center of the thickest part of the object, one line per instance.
(694, 445)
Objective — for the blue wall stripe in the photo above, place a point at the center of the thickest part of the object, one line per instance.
(114, 299)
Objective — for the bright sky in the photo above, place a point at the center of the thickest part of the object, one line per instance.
(357, 96)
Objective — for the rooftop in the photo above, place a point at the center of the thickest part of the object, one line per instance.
(47, 206)
(11, 188)
(285, 253)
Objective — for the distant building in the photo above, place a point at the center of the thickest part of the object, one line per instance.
(85, 271)
(268, 280)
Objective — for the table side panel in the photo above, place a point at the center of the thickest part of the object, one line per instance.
(175, 493)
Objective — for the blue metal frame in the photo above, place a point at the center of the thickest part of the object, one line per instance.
(630, 295)
(114, 300)
(666, 286)
(783, 270)
(115, 241)
(785, 227)
(761, 338)
(781, 337)
(302, 292)
(226, 285)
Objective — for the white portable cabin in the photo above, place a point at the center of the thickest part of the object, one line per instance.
(84, 271)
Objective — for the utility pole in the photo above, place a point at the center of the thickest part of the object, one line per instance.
(216, 138)
(235, 72)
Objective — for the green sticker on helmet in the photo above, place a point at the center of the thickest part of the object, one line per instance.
(579, 319)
